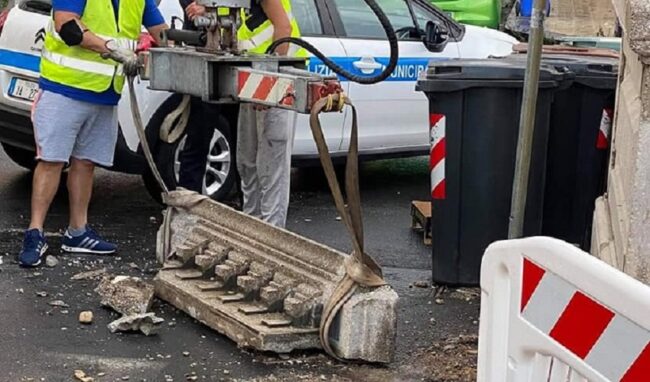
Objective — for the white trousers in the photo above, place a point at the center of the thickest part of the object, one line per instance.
(264, 147)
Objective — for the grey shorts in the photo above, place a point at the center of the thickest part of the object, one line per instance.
(65, 128)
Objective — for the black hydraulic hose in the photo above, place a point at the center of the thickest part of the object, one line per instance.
(364, 80)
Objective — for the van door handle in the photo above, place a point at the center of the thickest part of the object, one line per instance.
(367, 65)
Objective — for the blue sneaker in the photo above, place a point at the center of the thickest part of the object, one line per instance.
(34, 248)
(89, 242)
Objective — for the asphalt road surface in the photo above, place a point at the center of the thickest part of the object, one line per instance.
(41, 343)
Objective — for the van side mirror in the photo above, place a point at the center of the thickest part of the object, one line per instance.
(435, 37)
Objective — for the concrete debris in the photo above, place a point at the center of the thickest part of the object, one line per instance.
(127, 295)
(51, 261)
(355, 339)
(82, 377)
(59, 304)
(421, 284)
(146, 323)
(90, 275)
(86, 317)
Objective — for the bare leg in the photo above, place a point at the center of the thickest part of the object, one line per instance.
(80, 188)
(47, 177)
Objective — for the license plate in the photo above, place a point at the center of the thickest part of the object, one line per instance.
(23, 89)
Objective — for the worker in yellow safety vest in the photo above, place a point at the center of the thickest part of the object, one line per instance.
(88, 50)
(264, 136)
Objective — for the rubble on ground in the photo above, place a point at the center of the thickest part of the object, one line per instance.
(51, 261)
(146, 323)
(126, 295)
(81, 376)
(59, 304)
(90, 275)
(132, 297)
(86, 317)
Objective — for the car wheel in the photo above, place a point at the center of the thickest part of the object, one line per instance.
(22, 157)
(220, 175)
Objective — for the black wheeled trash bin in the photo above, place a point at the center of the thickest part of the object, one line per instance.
(474, 111)
(578, 148)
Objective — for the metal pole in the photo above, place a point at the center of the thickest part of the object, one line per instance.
(527, 121)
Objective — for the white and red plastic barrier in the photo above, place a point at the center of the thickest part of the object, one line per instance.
(551, 312)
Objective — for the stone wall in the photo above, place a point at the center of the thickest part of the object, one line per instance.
(622, 220)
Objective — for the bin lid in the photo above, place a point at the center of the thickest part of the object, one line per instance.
(593, 71)
(455, 75)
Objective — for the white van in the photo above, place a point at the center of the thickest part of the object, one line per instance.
(392, 115)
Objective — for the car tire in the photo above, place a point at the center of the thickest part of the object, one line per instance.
(22, 157)
(166, 156)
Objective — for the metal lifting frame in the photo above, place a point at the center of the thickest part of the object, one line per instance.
(220, 72)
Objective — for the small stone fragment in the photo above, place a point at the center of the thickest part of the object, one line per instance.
(51, 261)
(59, 304)
(421, 284)
(81, 376)
(90, 275)
(186, 354)
(440, 301)
(86, 317)
(41, 294)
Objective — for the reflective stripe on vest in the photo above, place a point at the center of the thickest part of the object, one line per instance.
(82, 68)
(258, 40)
(80, 65)
(122, 42)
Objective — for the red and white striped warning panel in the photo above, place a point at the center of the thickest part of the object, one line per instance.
(438, 156)
(551, 312)
(605, 129)
(611, 344)
(269, 89)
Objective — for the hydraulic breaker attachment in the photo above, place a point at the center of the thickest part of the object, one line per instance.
(265, 287)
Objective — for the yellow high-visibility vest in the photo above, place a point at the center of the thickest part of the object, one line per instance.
(84, 69)
(261, 37)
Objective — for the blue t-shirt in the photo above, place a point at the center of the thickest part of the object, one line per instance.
(151, 17)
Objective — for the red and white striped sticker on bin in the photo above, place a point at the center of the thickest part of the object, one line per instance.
(438, 156)
(608, 342)
(605, 129)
